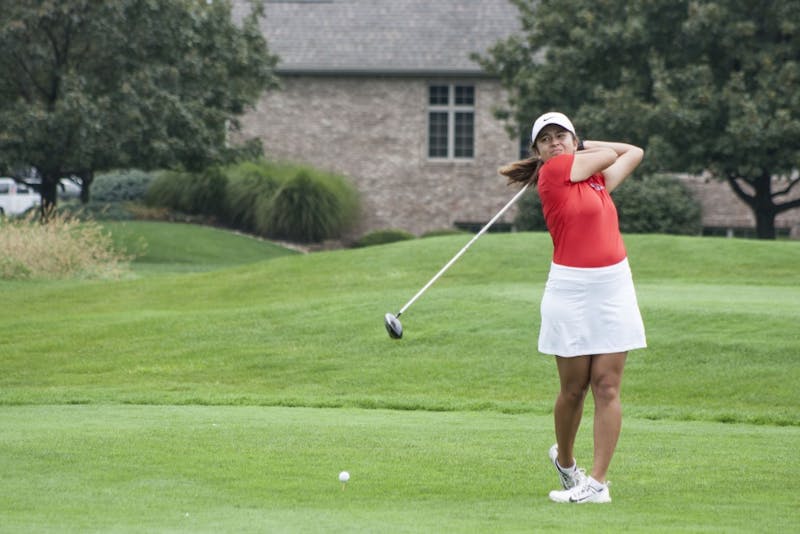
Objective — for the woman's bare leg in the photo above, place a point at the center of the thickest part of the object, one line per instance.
(574, 374)
(606, 380)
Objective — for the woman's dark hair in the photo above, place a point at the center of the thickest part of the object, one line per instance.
(522, 171)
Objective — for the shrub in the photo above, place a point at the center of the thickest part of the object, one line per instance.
(119, 186)
(311, 207)
(658, 204)
(167, 190)
(251, 186)
(529, 213)
(382, 237)
(206, 193)
(652, 204)
(273, 200)
(193, 193)
(64, 247)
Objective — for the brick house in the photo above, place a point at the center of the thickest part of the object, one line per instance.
(385, 93)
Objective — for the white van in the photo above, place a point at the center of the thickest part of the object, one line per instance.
(16, 198)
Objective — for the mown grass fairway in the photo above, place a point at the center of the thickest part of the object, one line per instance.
(229, 400)
(258, 469)
(178, 247)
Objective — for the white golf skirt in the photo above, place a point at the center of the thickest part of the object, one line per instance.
(589, 311)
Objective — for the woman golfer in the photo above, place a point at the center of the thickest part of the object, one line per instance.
(589, 314)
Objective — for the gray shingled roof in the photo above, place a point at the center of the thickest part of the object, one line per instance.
(384, 36)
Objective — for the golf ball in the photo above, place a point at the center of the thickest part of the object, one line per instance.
(344, 476)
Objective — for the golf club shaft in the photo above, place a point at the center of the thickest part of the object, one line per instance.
(463, 250)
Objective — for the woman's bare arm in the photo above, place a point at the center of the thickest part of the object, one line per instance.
(627, 158)
(591, 161)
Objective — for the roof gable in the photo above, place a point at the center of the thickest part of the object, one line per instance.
(383, 36)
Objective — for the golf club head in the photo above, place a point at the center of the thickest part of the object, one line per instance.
(393, 326)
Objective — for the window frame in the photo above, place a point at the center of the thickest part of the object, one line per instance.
(452, 111)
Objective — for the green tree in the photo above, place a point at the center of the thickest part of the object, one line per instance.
(90, 85)
(704, 86)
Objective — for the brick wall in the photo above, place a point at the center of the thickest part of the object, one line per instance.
(374, 130)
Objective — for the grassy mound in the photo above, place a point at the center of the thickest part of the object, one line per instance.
(308, 331)
(229, 398)
(175, 247)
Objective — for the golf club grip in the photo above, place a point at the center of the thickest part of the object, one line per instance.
(464, 249)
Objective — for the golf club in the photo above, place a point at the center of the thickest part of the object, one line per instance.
(392, 321)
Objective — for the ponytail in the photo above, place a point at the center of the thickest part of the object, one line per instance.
(523, 171)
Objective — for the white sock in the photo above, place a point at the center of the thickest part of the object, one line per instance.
(567, 470)
(596, 485)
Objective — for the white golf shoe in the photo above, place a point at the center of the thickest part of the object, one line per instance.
(590, 491)
(570, 478)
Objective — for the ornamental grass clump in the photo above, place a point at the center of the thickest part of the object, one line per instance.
(61, 248)
(274, 200)
(310, 207)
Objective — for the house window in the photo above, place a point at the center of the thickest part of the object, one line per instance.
(451, 121)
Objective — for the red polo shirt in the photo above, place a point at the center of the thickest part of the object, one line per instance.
(580, 216)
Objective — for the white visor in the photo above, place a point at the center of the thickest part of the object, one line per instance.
(551, 118)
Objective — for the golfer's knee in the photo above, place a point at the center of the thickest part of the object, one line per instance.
(605, 390)
(574, 393)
